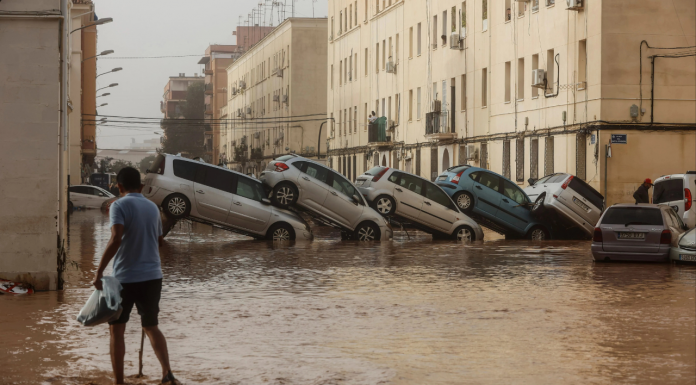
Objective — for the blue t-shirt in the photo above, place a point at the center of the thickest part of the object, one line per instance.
(138, 258)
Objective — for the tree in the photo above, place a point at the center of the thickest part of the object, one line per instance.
(120, 164)
(187, 135)
(144, 164)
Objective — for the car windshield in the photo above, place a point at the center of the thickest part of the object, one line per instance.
(633, 216)
(668, 191)
(374, 171)
(544, 179)
(557, 178)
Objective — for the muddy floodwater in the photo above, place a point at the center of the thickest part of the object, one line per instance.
(411, 311)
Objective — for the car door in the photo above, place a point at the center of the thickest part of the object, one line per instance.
(513, 208)
(314, 181)
(79, 196)
(438, 210)
(408, 195)
(247, 210)
(487, 192)
(213, 192)
(340, 205)
(670, 192)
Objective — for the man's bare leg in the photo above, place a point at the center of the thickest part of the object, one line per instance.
(159, 345)
(118, 350)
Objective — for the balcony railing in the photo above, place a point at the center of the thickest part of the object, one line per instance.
(377, 133)
(436, 123)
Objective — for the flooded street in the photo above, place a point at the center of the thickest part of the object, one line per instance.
(411, 311)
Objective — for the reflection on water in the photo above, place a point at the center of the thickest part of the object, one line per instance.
(238, 311)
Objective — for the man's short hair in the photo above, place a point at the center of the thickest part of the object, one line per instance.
(129, 178)
(373, 113)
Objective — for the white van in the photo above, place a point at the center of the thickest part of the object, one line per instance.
(677, 191)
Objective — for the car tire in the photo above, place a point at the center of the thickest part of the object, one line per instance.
(177, 206)
(538, 207)
(367, 231)
(464, 201)
(538, 233)
(463, 234)
(384, 205)
(281, 232)
(284, 195)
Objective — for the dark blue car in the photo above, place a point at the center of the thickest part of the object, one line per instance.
(493, 201)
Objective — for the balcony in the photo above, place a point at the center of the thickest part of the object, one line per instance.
(208, 109)
(437, 126)
(209, 89)
(377, 133)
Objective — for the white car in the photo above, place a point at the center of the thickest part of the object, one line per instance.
(88, 196)
(677, 191)
(685, 251)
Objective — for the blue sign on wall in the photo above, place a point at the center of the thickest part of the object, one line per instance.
(619, 138)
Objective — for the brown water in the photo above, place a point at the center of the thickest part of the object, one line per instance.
(237, 311)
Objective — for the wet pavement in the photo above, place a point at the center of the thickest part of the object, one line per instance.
(411, 311)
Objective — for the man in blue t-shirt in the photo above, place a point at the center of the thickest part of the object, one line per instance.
(136, 235)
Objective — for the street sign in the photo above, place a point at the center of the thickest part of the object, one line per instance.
(619, 138)
(593, 139)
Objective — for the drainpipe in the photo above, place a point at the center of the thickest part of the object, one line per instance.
(62, 188)
(319, 140)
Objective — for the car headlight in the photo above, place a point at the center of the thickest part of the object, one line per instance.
(688, 240)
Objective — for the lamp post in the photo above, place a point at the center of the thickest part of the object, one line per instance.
(97, 22)
(104, 94)
(110, 85)
(102, 53)
(108, 72)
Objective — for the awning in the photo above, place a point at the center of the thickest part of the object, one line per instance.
(204, 60)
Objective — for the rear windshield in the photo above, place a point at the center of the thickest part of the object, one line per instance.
(157, 165)
(668, 191)
(457, 169)
(633, 215)
(586, 191)
(374, 171)
(558, 178)
(284, 158)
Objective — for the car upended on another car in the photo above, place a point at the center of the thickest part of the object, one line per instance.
(324, 194)
(187, 188)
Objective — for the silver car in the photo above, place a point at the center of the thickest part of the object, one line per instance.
(221, 197)
(569, 198)
(324, 194)
(685, 250)
(417, 200)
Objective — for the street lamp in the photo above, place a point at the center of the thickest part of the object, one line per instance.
(110, 85)
(97, 22)
(103, 53)
(113, 70)
(104, 94)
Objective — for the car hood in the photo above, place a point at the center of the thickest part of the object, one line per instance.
(288, 215)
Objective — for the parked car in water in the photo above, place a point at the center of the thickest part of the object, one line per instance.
(88, 196)
(494, 201)
(636, 232)
(326, 195)
(222, 197)
(677, 191)
(569, 199)
(417, 200)
(685, 250)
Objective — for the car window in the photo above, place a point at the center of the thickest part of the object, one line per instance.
(587, 192)
(558, 178)
(251, 189)
(342, 185)
(544, 179)
(675, 218)
(215, 178)
(185, 169)
(93, 191)
(491, 181)
(157, 165)
(634, 215)
(394, 177)
(475, 175)
(317, 172)
(668, 191)
(513, 192)
(412, 183)
(436, 194)
(301, 165)
(80, 190)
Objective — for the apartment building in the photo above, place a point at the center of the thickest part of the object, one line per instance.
(175, 94)
(277, 96)
(524, 88)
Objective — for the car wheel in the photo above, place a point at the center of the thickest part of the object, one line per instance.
(367, 231)
(463, 234)
(538, 234)
(464, 201)
(285, 195)
(384, 205)
(538, 207)
(177, 206)
(281, 232)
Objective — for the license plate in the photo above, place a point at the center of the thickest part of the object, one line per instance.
(631, 235)
(683, 257)
(442, 177)
(581, 204)
(359, 182)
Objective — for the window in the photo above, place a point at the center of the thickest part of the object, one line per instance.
(185, 170)
(623, 215)
(418, 51)
(356, 12)
(384, 108)
(410, 182)
(586, 191)
(453, 16)
(489, 180)
(347, 165)
(215, 178)
(520, 79)
(521, 8)
(484, 87)
(350, 16)
(410, 105)
(463, 92)
(548, 156)
(346, 70)
(332, 31)
(444, 27)
(484, 14)
(506, 159)
(535, 65)
(355, 119)
(535, 5)
(366, 54)
(508, 11)
(550, 69)
(389, 109)
(340, 73)
(434, 42)
(350, 67)
(418, 107)
(251, 189)
(418, 161)
(396, 49)
(580, 156)
(342, 185)
(367, 7)
(582, 64)
(365, 117)
(534, 159)
(550, 2)
(355, 70)
(384, 54)
(410, 42)
(377, 58)
(507, 82)
(519, 159)
(669, 190)
(397, 108)
(463, 20)
(340, 22)
(513, 192)
(438, 196)
(332, 75)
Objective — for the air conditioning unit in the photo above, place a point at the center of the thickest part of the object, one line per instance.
(437, 105)
(574, 5)
(234, 90)
(242, 84)
(248, 110)
(285, 99)
(391, 68)
(257, 135)
(539, 78)
(472, 152)
(279, 73)
(391, 124)
(407, 156)
(239, 112)
(276, 98)
(455, 41)
(398, 155)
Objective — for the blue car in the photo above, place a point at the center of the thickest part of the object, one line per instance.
(493, 201)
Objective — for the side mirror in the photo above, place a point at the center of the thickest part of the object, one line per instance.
(531, 181)
(101, 194)
(356, 199)
(266, 201)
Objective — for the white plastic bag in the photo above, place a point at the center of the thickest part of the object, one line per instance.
(103, 305)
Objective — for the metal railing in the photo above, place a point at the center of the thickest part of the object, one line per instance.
(436, 123)
(377, 134)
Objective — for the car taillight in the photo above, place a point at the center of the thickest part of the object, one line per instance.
(597, 237)
(380, 174)
(565, 184)
(456, 177)
(687, 197)
(666, 237)
(280, 167)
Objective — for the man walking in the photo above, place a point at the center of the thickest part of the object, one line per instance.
(136, 235)
(642, 194)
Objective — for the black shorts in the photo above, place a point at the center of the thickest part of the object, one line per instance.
(145, 296)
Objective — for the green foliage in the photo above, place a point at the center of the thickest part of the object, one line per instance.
(186, 136)
(118, 164)
(145, 163)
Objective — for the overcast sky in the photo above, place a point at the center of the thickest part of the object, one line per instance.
(163, 28)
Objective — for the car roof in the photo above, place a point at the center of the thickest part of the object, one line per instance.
(647, 205)
(473, 169)
(208, 164)
(674, 176)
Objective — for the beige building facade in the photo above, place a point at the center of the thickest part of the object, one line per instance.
(524, 88)
(276, 96)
